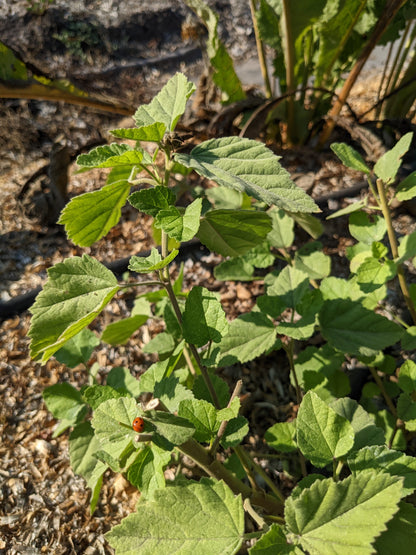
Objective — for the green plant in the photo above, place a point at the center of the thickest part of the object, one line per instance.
(345, 457)
(315, 44)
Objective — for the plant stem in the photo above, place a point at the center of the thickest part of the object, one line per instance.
(289, 353)
(260, 50)
(254, 515)
(394, 249)
(390, 11)
(383, 391)
(217, 470)
(172, 297)
(250, 463)
(223, 425)
(337, 469)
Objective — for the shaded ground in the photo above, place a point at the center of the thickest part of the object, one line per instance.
(43, 506)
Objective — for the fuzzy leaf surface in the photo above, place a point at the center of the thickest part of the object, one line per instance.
(109, 156)
(365, 430)
(388, 165)
(274, 542)
(201, 518)
(322, 434)
(151, 263)
(153, 133)
(90, 216)
(151, 201)
(112, 424)
(178, 225)
(82, 446)
(379, 458)
(250, 167)
(350, 157)
(76, 291)
(400, 535)
(168, 105)
(220, 231)
(204, 318)
(249, 336)
(343, 517)
(353, 329)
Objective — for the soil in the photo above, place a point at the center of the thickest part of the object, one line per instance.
(104, 47)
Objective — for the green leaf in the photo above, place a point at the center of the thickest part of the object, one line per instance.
(175, 429)
(313, 366)
(121, 379)
(407, 376)
(312, 261)
(388, 165)
(90, 216)
(354, 207)
(290, 286)
(163, 343)
(82, 447)
(112, 424)
(151, 263)
(94, 395)
(146, 472)
(353, 329)
(168, 105)
(153, 133)
(234, 269)
(203, 416)
(220, 230)
(400, 535)
(350, 157)
(109, 156)
(338, 517)
(366, 230)
(406, 190)
(250, 167)
(225, 199)
(406, 410)
(76, 291)
(373, 273)
(64, 402)
(180, 226)
(201, 391)
(173, 522)
(118, 333)
(249, 336)
(407, 247)
(309, 223)
(380, 459)
(224, 75)
(282, 234)
(151, 201)
(204, 318)
(274, 542)
(365, 430)
(78, 349)
(281, 436)
(235, 432)
(322, 434)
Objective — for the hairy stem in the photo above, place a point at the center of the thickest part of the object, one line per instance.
(218, 471)
(394, 249)
(383, 391)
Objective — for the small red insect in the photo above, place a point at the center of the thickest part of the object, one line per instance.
(138, 424)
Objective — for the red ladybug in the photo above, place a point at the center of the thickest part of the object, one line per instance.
(138, 424)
